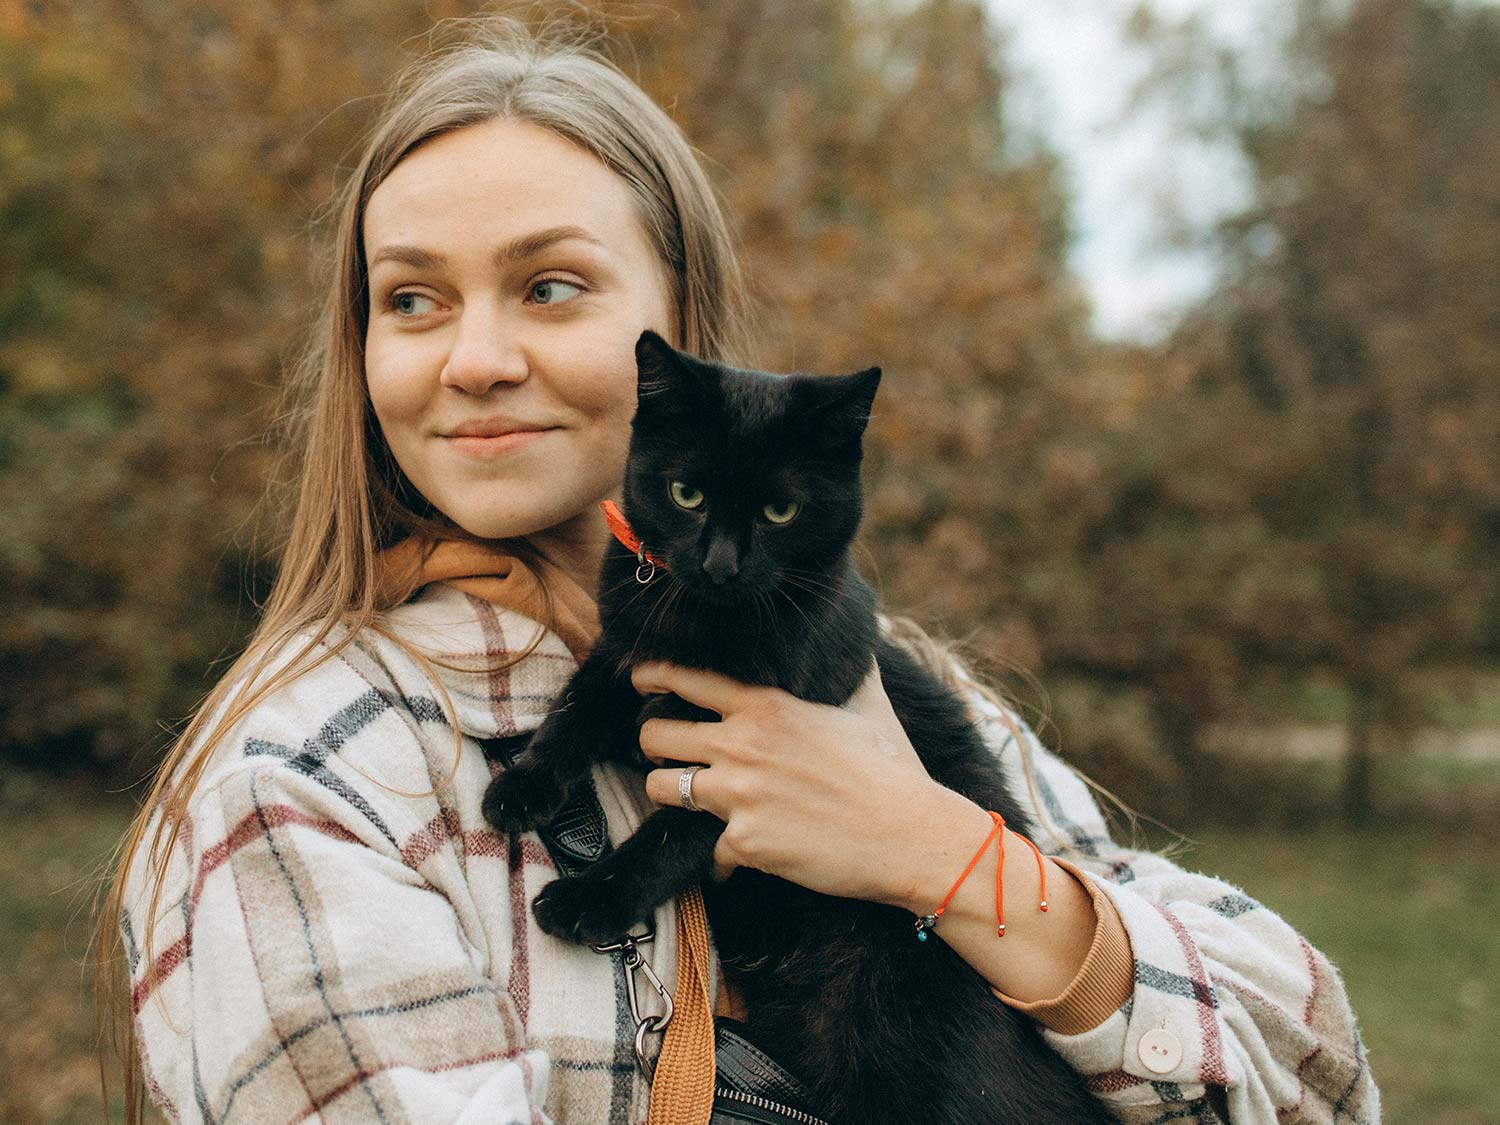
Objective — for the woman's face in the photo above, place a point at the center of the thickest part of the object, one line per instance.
(509, 279)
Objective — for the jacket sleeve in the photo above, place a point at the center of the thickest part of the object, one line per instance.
(1230, 1012)
(304, 971)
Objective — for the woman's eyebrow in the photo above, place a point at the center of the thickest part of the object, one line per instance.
(517, 249)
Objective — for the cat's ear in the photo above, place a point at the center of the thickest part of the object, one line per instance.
(662, 370)
(842, 403)
(655, 359)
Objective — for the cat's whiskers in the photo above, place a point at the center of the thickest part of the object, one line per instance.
(671, 591)
(763, 601)
(618, 586)
(803, 585)
(813, 577)
(794, 605)
(674, 595)
(642, 589)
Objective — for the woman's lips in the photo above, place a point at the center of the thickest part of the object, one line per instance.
(497, 445)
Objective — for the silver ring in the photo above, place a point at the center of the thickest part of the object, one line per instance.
(685, 788)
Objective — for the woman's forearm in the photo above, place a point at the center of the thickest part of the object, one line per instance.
(1041, 952)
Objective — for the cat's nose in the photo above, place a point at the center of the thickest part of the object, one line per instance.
(722, 561)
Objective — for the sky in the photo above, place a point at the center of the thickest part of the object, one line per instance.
(1076, 74)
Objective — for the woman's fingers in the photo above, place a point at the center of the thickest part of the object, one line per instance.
(676, 740)
(871, 702)
(706, 689)
(871, 691)
(663, 787)
(724, 867)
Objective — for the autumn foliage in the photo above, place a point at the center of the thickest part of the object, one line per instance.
(1303, 477)
(1343, 383)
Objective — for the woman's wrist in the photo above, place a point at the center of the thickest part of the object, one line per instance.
(943, 830)
(1103, 982)
(1041, 952)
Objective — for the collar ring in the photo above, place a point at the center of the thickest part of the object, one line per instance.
(646, 570)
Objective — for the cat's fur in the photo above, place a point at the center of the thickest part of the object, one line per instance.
(882, 1027)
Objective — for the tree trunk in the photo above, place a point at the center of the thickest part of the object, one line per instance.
(1180, 731)
(1359, 760)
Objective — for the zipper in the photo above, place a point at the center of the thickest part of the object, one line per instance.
(767, 1104)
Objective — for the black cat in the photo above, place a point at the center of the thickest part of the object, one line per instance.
(745, 485)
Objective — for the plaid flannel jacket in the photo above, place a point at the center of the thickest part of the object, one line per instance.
(340, 936)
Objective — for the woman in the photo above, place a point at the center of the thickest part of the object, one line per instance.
(314, 916)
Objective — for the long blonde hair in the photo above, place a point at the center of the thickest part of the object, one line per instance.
(351, 500)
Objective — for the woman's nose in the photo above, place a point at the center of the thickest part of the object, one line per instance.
(487, 351)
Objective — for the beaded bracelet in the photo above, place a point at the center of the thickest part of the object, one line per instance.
(927, 922)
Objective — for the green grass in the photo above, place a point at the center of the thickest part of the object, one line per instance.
(1408, 916)
(1456, 698)
(1455, 777)
(55, 838)
(1407, 788)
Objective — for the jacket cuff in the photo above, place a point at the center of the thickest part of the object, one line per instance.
(1104, 981)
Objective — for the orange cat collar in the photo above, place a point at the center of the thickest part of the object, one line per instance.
(631, 541)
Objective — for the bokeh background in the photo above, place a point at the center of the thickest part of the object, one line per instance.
(1236, 557)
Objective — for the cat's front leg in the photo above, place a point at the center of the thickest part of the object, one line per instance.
(536, 786)
(672, 851)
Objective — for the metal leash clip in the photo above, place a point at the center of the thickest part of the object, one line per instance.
(635, 962)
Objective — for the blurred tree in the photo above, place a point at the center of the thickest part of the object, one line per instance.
(890, 214)
(1355, 339)
(162, 169)
(155, 185)
(66, 669)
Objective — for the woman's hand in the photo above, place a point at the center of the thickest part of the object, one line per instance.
(831, 798)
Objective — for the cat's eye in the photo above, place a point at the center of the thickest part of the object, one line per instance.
(782, 513)
(685, 496)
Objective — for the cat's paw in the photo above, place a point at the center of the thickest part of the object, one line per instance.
(520, 799)
(584, 909)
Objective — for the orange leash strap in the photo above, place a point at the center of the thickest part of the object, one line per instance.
(682, 1093)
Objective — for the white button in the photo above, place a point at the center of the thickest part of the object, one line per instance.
(1160, 1051)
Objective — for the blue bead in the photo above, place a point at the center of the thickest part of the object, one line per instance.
(921, 935)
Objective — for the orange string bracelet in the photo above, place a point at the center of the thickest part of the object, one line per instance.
(1041, 867)
(1000, 887)
(1041, 870)
(926, 922)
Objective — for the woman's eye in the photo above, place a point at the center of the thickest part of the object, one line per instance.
(553, 292)
(406, 303)
(782, 513)
(686, 497)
